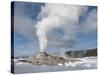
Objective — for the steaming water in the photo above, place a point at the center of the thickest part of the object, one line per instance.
(86, 63)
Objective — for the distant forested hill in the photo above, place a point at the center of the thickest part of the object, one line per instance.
(81, 53)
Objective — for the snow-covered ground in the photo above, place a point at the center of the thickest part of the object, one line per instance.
(84, 64)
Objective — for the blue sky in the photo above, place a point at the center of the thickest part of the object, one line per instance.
(26, 41)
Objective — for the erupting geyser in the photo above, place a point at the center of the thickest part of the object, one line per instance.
(58, 16)
(42, 41)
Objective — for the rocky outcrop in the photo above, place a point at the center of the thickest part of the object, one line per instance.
(47, 59)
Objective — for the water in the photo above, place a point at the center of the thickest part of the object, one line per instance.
(84, 64)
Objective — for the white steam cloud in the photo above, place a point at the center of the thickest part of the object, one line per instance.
(53, 16)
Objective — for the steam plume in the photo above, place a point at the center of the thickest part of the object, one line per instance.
(55, 16)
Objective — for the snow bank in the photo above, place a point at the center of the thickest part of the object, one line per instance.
(85, 62)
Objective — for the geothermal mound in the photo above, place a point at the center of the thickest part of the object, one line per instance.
(47, 59)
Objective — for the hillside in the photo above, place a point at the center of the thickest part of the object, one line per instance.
(81, 53)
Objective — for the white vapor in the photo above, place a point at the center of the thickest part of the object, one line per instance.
(53, 16)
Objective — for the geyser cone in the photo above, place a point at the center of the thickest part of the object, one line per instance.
(44, 58)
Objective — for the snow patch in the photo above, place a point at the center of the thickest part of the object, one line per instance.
(85, 62)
